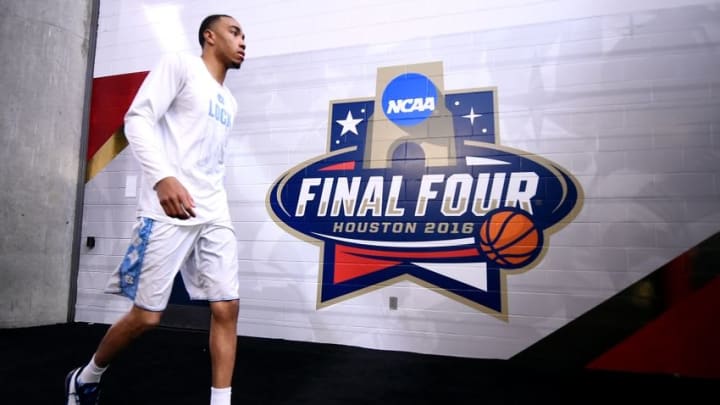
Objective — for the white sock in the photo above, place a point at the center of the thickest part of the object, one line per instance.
(91, 373)
(220, 396)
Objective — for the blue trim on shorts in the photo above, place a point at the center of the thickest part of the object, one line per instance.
(133, 260)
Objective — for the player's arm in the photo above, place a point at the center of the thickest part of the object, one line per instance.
(152, 100)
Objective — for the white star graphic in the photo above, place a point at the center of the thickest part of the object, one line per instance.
(349, 124)
(472, 116)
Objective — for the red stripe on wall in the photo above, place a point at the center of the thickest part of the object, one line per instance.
(684, 340)
(111, 97)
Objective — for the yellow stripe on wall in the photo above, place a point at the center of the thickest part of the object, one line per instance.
(107, 152)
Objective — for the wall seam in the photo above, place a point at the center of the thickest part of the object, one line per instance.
(80, 191)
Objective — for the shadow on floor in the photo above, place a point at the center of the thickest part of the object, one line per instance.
(171, 366)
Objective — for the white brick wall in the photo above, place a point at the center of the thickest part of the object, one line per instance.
(622, 94)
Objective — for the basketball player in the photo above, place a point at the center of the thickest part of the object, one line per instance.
(177, 127)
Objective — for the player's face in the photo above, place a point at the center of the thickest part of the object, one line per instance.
(230, 42)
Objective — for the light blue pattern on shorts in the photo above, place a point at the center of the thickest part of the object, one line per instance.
(133, 260)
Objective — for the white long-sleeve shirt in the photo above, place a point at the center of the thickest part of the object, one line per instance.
(178, 125)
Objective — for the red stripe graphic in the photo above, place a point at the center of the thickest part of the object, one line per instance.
(111, 97)
(339, 166)
(683, 340)
(352, 262)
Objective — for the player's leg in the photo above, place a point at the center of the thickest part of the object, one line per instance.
(82, 384)
(155, 255)
(123, 332)
(223, 341)
(212, 274)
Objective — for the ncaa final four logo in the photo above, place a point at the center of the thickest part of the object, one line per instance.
(414, 186)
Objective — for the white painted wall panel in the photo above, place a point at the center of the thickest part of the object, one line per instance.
(623, 94)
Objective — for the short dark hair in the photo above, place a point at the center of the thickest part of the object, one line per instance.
(205, 25)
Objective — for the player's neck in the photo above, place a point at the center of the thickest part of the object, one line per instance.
(217, 69)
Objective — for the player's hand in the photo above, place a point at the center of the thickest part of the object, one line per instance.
(174, 198)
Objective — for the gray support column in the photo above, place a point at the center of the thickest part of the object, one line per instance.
(44, 48)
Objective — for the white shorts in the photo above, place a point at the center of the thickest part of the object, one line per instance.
(205, 255)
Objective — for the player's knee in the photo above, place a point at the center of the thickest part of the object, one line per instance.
(151, 321)
(144, 320)
(225, 310)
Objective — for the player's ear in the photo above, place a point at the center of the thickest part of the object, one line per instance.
(209, 37)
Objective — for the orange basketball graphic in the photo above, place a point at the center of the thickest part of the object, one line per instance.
(509, 238)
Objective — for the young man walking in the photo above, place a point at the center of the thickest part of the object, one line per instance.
(177, 127)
